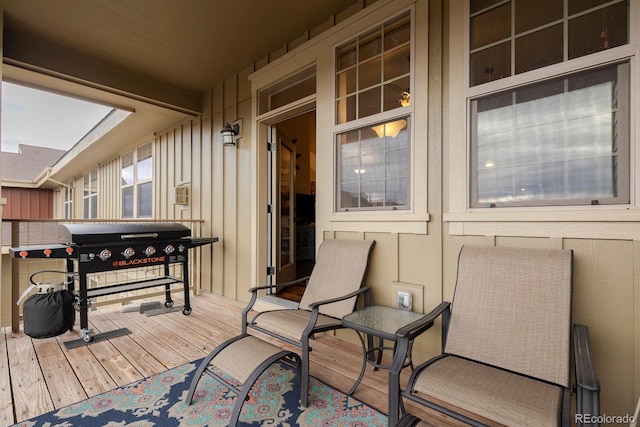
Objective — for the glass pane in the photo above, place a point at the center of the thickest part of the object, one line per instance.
(397, 63)
(490, 64)
(477, 5)
(345, 83)
(533, 14)
(539, 49)
(127, 175)
(372, 194)
(85, 206)
(396, 164)
(346, 56)
(373, 165)
(94, 207)
(144, 169)
(86, 186)
(145, 196)
(349, 195)
(397, 191)
(397, 94)
(369, 102)
(369, 73)
(94, 182)
(553, 141)
(370, 45)
(127, 202)
(491, 26)
(576, 6)
(597, 31)
(397, 32)
(346, 109)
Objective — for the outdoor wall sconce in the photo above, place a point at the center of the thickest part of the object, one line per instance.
(229, 133)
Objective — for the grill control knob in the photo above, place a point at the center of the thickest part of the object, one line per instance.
(169, 249)
(150, 251)
(105, 254)
(129, 252)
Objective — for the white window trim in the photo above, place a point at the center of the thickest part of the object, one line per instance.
(87, 215)
(600, 221)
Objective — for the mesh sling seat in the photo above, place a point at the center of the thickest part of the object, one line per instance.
(506, 340)
(331, 292)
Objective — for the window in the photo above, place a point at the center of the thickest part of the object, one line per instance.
(373, 113)
(512, 37)
(562, 141)
(137, 184)
(90, 195)
(562, 138)
(68, 202)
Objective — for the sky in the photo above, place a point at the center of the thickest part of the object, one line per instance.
(44, 119)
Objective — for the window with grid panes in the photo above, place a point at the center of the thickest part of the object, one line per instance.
(373, 115)
(558, 140)
(90, 195)
(137, 183)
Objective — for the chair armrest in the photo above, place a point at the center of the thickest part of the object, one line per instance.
(414, 329)
(340, 298)
(254, 297)
(588, 386)
(279, 285)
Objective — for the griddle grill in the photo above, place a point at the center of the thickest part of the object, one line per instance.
(104, 247)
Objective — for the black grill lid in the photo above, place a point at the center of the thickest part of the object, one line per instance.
(94, 233)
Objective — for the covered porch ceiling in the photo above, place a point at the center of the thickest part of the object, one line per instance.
(155, 57)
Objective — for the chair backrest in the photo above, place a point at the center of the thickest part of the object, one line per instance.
(512, 309)
(339, 270)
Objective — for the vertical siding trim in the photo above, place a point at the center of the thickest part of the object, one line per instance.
(636, 318)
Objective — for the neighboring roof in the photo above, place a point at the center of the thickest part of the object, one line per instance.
(28, 163)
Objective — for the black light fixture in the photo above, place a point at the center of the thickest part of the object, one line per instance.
(229, 133)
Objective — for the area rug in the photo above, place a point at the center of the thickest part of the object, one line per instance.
(159, 401)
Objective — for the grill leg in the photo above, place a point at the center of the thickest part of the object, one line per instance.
(185, 279)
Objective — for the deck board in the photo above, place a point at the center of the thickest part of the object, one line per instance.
(6, 399)
(45, 375)
(30, 394)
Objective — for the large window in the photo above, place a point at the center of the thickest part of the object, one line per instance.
(559, 139)
(90, 195)
(563, 141)
(373, 113)
(137, 183)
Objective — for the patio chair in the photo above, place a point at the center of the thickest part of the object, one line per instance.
(506, 345)
(331, 292)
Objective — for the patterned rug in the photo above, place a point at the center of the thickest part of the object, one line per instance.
(158, 401)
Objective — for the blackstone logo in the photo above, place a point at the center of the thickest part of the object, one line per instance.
(605, 419)
(139, 261)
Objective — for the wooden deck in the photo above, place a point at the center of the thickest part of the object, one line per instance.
(37, 376)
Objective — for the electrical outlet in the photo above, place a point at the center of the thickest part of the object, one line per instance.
(404, 301)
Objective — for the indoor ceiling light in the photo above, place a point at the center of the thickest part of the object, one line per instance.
(391, 129)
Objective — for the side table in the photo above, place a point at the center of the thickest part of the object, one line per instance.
(383, 323)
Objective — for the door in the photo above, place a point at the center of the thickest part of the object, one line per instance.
(282, 199)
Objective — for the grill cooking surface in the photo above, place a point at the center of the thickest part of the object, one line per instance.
(81, 234)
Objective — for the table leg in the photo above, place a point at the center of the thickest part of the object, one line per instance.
(364, 364)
